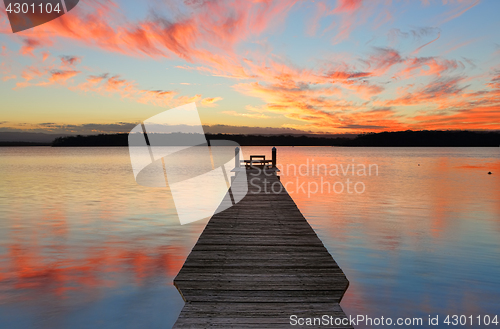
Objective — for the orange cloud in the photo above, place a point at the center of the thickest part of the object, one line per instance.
(29, 45)
(104, 84)
(70, 60)
(60, 76)
(382, 60)
(495, 81)
(33, 72)
(9, 77)
(47, 75)
(208, 33)
(45, 55)
(313, 107)
(210, 101)
(476, 118)
(454, 108)
(436, 92)
(110, 85)
(364, 89)
(210, 28)
(428, 66)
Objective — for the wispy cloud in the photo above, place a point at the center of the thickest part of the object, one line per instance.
(62, 74)
(426, 44)
(457, 12)
(437, 92)
(247, 115)
(326, 94)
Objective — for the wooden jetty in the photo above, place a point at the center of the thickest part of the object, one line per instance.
(258, 263)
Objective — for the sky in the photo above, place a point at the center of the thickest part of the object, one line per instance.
(345, 66)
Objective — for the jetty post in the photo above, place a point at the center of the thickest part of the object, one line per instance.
(236, 157)
(273, 157)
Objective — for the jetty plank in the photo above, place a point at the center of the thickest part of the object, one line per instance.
(258, 263)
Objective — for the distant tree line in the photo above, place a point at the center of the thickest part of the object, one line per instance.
(4, 143)
(92, 140)
(399, 138)
(280, 140)
(428, 138)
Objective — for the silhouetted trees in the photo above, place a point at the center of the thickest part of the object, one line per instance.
(92, 140)
(3, 143)
(428, 138)
(399, 138)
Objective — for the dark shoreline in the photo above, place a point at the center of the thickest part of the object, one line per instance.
(424, 138)
(17, 144)
(409, 138)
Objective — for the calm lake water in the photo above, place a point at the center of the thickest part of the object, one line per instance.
(82, 245)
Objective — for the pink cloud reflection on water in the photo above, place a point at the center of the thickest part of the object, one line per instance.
(77, 231)
(82, 245)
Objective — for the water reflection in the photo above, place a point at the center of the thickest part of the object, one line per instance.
(422, 239)
(82, 245)
(77, 232)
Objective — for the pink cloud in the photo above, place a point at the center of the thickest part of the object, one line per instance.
(60, 76)
(70, 60)
(426, 44)
(437, 92)
(382, 60)
(457, 12)
(207, 35)
(30, 44)
(348, 6)
(425, 66)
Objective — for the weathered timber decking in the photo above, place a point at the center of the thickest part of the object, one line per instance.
(256, 264)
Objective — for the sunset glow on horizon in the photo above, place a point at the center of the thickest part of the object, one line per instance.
(346, 66)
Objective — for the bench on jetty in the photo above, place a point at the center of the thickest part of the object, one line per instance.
(257, 161)
(258, 263)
